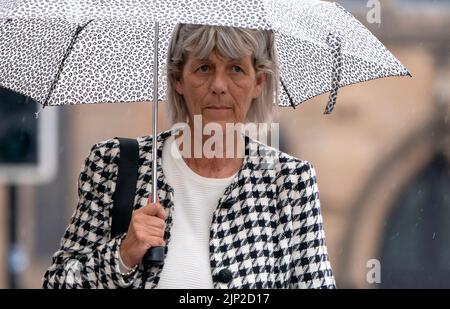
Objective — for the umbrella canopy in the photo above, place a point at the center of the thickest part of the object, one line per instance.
(82, 52)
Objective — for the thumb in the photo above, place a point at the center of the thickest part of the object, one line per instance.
(154, 209)
(150, 199)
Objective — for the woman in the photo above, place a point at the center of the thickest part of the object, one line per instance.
(226, 221)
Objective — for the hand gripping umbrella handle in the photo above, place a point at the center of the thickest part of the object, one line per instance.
(154, 255)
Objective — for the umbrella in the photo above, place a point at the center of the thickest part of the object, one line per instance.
(321, 46)
(62, 52)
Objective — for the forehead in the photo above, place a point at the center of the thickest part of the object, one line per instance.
(216, 57)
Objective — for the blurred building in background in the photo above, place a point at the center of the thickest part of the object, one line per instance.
(382, 160)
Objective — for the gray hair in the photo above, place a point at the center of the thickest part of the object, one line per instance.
(230, 42)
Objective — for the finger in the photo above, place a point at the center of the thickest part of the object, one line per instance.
(146, 217)
(149, 210)
(152, 204)
(161, 212)
(155, 222)
(153, 210)
(152, 231)
(150, 199)
(153, 242)
(156, 242)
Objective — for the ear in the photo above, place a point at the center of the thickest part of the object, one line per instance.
(179, 86)
(260, 82)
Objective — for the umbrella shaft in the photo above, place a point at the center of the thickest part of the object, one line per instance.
(155, 113)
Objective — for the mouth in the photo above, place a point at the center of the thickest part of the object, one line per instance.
(215, 107)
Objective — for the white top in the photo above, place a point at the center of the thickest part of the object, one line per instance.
(187, 264)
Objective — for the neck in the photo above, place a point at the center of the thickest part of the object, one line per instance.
(218, 155)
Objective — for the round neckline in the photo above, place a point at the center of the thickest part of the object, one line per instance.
(186, 170)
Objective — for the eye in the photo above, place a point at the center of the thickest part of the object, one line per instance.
(238, 69)
(203, 68)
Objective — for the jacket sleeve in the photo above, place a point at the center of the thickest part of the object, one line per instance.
(312, 267)
(87, 257)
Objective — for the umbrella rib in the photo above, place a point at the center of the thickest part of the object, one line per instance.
(334, 42)
(287, 93)
(61, 65)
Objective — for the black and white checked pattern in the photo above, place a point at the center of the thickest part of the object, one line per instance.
(267, 229)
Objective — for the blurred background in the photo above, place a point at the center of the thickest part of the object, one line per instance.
(382, 161)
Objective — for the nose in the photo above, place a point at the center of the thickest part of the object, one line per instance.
(219, 83)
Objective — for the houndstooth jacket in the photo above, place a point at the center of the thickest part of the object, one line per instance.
(266, 232)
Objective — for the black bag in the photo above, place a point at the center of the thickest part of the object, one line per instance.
(125, 186)
(124, 194)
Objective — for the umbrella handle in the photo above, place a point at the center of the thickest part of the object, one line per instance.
(154, 256)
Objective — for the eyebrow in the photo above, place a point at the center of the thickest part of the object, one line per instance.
(197, 60)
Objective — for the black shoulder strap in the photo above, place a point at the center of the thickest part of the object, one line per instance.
(125, 186)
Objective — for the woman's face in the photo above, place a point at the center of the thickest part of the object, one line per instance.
(219, 89)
